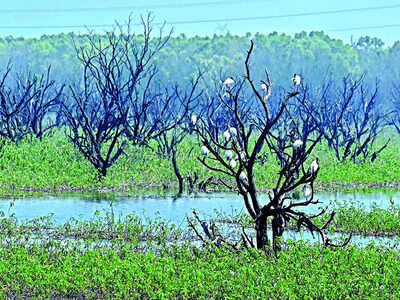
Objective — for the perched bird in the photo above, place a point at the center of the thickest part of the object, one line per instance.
(242, 155)
(233, 131)
(296, 79)
(194, 119)
(205, 151)
(263, 85)
(227, 135)
(314, 166)
(226, 95)
(233, 163)
(228, 154)
(242, 176)
(229, 81)
(297, 143)
(307, 191)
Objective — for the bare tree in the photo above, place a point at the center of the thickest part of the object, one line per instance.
(28, 104)
(235, 156)
(348, 117)
(395, 113)
(116, 68)
(172, 123)
(44, 110)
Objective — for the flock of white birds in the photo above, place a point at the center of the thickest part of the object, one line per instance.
(231, 133)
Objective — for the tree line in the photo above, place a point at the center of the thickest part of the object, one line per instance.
(315, 55)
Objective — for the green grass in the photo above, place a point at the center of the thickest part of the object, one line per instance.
(302, 271)
(55, 165)
(383, 170)
(38, 261)
(129, 258)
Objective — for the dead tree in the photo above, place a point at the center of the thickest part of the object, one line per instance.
(348, 117)
(116, 67)
(235, 156)
(172, 122)
(28, 104)
(394, 119)
(44, 110)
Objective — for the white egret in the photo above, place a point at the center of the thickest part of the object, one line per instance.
(263, 86)
(242, 176)
(297, 143)
(229, 81)
(296, 79)
(227, 135)
(233, 131)
(314, 166)
(228, 154)
(242, 155)
(205, 151)
(233, 163)
(225, 95)
(194, 119)
(307, 191)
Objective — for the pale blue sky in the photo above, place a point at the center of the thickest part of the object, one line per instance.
(351, 18)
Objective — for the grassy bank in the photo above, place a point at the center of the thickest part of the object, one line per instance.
(55, 165)
(109, 258)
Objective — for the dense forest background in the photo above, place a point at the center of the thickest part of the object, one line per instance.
(316, 56)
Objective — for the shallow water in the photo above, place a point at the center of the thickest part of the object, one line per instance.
(83, 206)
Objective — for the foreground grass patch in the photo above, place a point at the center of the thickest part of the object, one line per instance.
(301, 271)
(119, 258)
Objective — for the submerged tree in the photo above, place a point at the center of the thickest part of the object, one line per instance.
(235, 155)
(116, 68)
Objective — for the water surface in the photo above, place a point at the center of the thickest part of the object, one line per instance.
(173, 209)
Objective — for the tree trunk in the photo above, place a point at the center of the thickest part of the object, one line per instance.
(101, 174)
(261, 233)
(177, 172)
(277, 231)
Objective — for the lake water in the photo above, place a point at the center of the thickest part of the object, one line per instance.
(173, 209)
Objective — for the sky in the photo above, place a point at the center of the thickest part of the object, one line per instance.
(347, 20)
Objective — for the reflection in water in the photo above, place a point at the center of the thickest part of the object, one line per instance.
(83, 206)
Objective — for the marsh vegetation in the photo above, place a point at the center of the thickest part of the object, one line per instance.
(118, 125)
